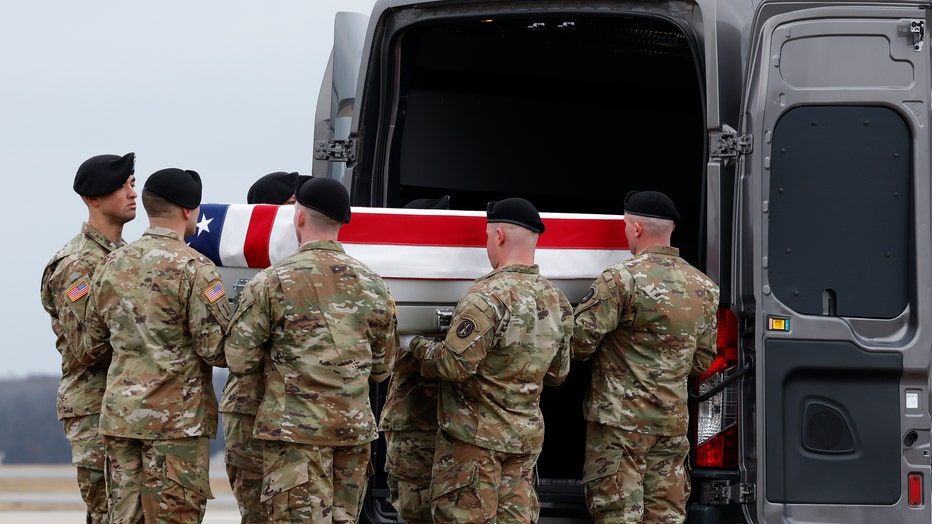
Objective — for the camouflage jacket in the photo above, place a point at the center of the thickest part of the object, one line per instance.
(242, 394)
(412, 399)
(66, 283)
(509, 336)
(322, 324)
(158, 307)
(650, 322)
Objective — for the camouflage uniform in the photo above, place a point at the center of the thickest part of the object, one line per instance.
(323, 324)
(158, 308)
(510, 335)
(649, 321)
(243, 453)
(65, 287)
(409, 420)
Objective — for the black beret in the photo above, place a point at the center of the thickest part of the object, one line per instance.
(326, 195)
(515, 211)
(273, 188)
(429, 203)
(181, 187)
(651, 204)
(103, 174)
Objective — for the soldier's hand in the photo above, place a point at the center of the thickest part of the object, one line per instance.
(416, 346)
(405, 341)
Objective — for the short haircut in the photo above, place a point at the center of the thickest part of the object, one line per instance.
(654, 226)
(156, 206)
(319, 220)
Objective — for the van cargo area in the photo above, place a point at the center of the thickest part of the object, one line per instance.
(571, 111)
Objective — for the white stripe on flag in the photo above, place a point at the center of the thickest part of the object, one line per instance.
(235, 226)
(467, 263)
(283, 240)
(435, 262)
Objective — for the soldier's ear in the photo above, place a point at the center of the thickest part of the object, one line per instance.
(500, 234)
(300, 217)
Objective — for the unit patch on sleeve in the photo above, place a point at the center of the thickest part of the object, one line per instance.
(465, 328)
(215, 292)
(80, 289)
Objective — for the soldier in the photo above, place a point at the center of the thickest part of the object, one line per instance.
(274, 188)
(409, 423)
(106, 185)
(242, 395)
(649, 322)
(323, 324)
(158, 310)
(509, 337)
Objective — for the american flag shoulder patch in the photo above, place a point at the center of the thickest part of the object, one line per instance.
(215, 292)
(78, 290)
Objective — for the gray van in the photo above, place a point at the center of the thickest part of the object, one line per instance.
(793, 137)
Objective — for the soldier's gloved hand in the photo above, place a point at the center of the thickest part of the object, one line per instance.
(405, 341)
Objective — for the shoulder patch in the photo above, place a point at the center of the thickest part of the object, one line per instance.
(465, 328)
(215, 291)
(78, 290)
(589, 294)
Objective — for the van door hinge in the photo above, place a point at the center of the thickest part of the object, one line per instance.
(915, 29)
(720, 492)
(728, 144)
(335, 150)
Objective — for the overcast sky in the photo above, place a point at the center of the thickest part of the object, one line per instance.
(227, 88)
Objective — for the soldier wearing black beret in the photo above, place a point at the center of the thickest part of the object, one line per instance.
(509, 337)
(103, 174)
(317, 323)
(241, 395)
(647, 323)
(181, 187)
(324, 195)
(106, 186)
(653, 204)
(274, 188)
(516, 211)
(157, 313)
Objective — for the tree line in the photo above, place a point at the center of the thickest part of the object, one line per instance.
(30, 432)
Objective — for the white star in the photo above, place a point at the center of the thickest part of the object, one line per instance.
(203, 225)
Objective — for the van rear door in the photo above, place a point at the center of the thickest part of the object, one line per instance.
(832, 269)
(337, 97)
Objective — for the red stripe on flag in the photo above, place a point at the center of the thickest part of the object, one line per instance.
(469, 231)
(256, 245)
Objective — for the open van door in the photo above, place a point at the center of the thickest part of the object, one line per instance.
(332, 148)
(832, 274)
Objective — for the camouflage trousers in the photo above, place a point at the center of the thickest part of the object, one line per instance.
(243, 458)
(635, 477)
(158, 481)
(304, 483)
(88, 455)
(473, 484)
(409, 459)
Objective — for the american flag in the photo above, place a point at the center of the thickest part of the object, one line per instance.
(410, 243)
(215, 292)
(78, 290)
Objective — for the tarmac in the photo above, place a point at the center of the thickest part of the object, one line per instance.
(33, 494)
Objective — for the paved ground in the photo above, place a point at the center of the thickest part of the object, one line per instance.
(49, 495)
(77, 517)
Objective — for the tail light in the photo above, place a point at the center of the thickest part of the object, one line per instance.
(717, 418)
